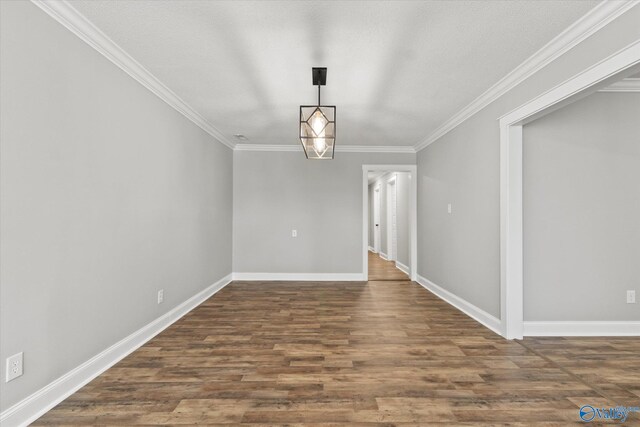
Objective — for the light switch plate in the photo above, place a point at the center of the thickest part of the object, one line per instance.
(294, 233)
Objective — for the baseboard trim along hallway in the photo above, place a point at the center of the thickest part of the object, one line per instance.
(300, 277)
(31, 408)
(581, 329)
(466, 307)
(402, 267)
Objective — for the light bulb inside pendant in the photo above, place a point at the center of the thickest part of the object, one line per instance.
(319, 145)
(318, 123)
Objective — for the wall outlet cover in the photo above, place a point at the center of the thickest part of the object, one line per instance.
(14, 366)
(160, 296)
(631, 297)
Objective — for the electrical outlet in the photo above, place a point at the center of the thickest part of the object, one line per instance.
(294, 233)
(631, 297)
(449, 208)
(160, 296)
(14, 366)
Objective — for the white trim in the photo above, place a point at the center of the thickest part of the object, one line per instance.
(372, 249)
(413, 220)
(590, 23)
(582, 329)
(384, 256)
(339, 148)
(268, 147)
(466, 307)
(300, 277)
(400, 149)
(511, 249)
(511, 239)
(625, 85)
(34, 406)
(400, 266)
(75, 22)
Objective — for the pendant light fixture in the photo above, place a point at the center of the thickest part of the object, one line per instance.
(318, 124)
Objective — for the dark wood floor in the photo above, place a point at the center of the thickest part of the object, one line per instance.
(380, 269)
(386, 353)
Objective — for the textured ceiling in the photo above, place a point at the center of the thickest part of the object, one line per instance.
(396, 70)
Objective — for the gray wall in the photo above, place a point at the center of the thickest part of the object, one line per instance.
(461, 251)
(107, 195)
(403, 181)
(275, 192)
(582, 210)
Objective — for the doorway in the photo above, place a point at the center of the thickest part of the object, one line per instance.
(376, 219)
(622, 64)
(389, 245)
(392, 220)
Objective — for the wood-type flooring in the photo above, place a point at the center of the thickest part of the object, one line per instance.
(351, 353)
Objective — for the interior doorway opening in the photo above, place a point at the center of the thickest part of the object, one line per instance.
(622, 64)
(389, 222)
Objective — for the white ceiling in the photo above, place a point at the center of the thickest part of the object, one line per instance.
(396, 69)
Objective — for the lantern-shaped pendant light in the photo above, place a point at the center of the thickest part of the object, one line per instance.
(318, 124)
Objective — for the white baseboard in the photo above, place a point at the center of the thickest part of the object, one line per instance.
(372, 249)
(300, 277)
(466, 307)
(383, 256)
(581, 329)
(402, 267)
(34, 406)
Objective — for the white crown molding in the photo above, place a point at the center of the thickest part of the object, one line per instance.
(406, 149)
(267, 147)
(582, 329)
(466, 307)
(626, 85)
(34, 406)
(594, 20)
(300, 277)
(74, 21)
(339, 148)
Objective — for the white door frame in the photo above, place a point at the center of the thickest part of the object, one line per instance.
(377, 237)
(625, 61)
(413, 215)
(391, 211)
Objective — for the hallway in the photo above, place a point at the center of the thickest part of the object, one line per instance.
(379, 269)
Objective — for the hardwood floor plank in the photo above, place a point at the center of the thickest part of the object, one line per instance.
(379, 269)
